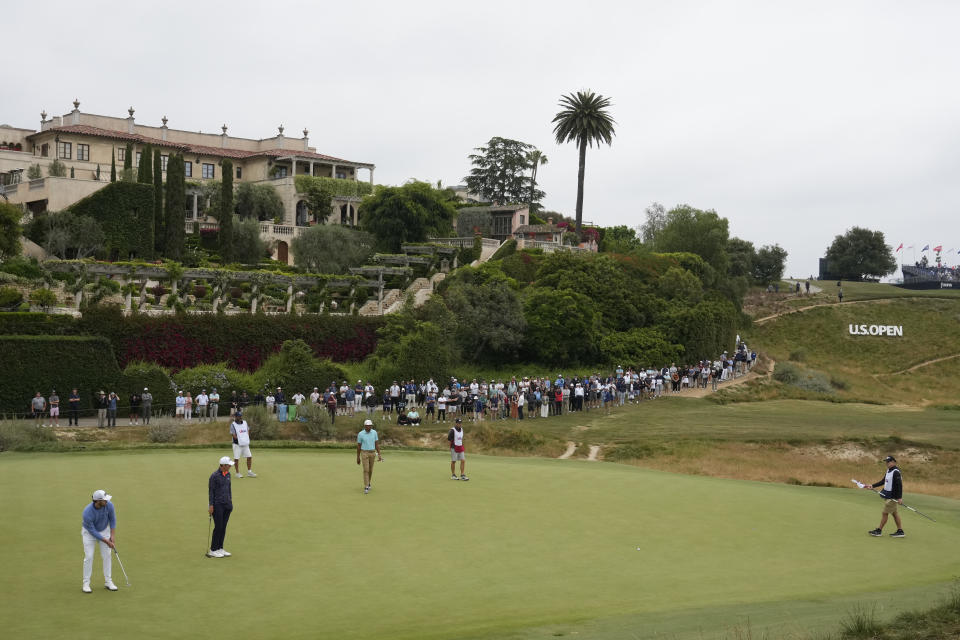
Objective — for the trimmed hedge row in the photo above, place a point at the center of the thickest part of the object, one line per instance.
(178, 342)
(43, 363)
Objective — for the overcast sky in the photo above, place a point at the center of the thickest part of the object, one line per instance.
(795, 121)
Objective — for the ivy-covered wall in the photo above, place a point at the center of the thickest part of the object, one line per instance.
(335, 186)
(125, 211)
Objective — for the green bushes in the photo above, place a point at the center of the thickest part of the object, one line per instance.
(806, 379)
(508, 248)
(263, 424)
(125, 211)
(334, 186)
(23, 436)
(213, 376)
(10, 298)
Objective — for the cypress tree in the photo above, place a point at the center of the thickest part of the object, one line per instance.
(176, 195)
(128, 163)
(145, 170)
(113, 165)
(158, 199)
(225, 217)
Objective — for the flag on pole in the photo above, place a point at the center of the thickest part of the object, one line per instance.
(900, 247)
(926, 248)
(938, 248)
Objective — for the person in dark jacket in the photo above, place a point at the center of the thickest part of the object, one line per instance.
(221, 505)
(892, 494)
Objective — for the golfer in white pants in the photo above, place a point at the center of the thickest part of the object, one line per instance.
(99, 525)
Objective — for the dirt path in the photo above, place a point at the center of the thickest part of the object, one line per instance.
(919, 366)
(594, 452)
(813, 288)
(571, 447)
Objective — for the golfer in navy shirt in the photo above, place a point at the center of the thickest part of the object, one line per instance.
(99, 525)
(221, 506)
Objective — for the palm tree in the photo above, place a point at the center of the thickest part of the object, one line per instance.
(584, 118)
(535, 158)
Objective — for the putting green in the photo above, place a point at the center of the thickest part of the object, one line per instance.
(526, 548)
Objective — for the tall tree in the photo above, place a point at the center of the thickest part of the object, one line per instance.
(113, 165)
(172, 246)
(769, 264)
(158, 197)
(145, 170)
(536, 159)
(584, 119)
(498, 173)
(128, 175)
(225, 214)
(860, 253)
(331, 248)
(10, 216)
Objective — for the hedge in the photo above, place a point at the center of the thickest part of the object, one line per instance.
(335, 186)
(43, 324)
(43, 363)
(125, 211)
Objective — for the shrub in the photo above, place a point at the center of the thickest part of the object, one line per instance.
(138, 375)
(263, 424)
(28, 268)
(210, 376)
(296, 369)
(163, 430)
(125, 211)
(801, 378)
(43, 297)
(10, 298)
(509, 247)
(23, 436)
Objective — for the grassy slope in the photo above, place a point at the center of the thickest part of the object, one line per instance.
(868, 363)
(316, 558)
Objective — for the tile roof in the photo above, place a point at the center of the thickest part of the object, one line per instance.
(220, 152)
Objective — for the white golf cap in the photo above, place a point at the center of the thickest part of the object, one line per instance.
(367, 423)
(144, 388)
(100, 494)
(226, 460)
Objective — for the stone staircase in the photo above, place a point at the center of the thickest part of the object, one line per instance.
(393, 299)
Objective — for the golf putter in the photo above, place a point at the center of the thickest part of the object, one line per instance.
(125, 577)
(209, 525)
(906, 506)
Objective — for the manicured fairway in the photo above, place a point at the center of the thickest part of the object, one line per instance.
(526, 548)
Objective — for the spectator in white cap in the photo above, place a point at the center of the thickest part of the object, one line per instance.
(99, 525)
(221, 505)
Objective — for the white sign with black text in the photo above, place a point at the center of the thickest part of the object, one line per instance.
(892, 330)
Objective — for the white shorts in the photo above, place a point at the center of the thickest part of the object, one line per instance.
(179, 411)
(54, 412)
(241, 451)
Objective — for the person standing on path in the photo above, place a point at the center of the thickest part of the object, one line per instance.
(134, 408)
(892, 494)
(214, 404)
(368, 448)
(202, 402)
(101, 402)
(221, 506)
(37, 407)
(112, 400)
(54, 404)
(457, 451)
(240, 431)
(99, 525)
(73, 410)
(146, 405)
(840, 294)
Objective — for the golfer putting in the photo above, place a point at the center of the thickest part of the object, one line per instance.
(99, 525)
(368, 448)
(892, 495)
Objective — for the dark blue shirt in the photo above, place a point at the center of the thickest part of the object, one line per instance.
(220, 488)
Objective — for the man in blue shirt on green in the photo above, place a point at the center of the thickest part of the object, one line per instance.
(368, 448)
(99, 525)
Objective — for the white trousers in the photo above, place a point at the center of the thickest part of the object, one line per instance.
(89, 544)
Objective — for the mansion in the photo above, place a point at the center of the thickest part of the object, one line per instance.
(87, 143)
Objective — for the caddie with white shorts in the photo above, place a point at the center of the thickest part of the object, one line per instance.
(99, 525)
(457, 451)
(241, 444)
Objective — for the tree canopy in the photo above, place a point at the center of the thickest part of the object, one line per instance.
(499, 172)
(258, 201)
(409, 213)
(583, 119)
(860, 253)
(331, 248)
(10, 216)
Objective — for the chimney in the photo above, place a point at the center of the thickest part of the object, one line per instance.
(130, 120)
(76, 112)
(280, 137)
(223, 136)
(306, 139)
(163, 129)
(43, 120)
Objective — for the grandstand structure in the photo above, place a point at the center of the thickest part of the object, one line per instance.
(920, 276)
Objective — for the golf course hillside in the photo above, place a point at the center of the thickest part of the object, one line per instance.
(528, 548)
(901, 350)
